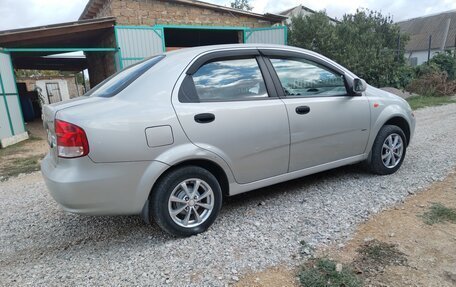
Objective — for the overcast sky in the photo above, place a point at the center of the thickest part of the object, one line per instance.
(27, 13)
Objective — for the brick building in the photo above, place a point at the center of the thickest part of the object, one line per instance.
(179, 23)
(175, 12)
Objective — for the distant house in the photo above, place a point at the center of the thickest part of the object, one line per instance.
(442, 28)
(300, 10)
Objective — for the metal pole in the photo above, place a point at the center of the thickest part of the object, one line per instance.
(398, 46)
(429, 49)
(76, 82)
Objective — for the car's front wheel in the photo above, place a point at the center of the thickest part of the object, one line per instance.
(186, 201)
(388, 150)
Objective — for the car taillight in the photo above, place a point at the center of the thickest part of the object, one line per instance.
(71, 140)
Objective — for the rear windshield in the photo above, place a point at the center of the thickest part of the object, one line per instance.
(120, 80)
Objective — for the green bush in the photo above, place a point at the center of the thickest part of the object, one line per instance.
(426, 69)
(445, 62)
(437, 77)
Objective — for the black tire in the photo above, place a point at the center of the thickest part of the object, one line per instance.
(159, 208)
(375, 161)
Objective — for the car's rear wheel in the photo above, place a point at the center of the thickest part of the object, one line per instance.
(186, 201)
(388, 150)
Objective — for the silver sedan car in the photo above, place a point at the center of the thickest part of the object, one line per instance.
(169, 137)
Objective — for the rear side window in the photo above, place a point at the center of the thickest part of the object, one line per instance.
(230, 80)
(119, 81)
(303, 78)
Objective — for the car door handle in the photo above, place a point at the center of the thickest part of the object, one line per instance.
(302, 110)
(204, 118)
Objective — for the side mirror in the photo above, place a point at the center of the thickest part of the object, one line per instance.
(359, 86)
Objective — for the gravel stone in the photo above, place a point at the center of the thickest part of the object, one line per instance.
(40, 245)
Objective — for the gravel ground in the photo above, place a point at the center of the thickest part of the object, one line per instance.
(401, 93)
(42, 246)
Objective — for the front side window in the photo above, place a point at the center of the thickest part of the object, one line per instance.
(230, 80)
(301, 78)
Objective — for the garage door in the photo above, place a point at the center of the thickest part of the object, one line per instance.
(11, 120)
(272, 35)
(136, 43)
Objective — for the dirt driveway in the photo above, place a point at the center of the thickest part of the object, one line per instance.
(24, 157)
(428, 248)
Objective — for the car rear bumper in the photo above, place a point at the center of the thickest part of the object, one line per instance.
(84, 187)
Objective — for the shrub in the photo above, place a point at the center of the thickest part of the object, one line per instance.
(426, 69)
(446, 62)
(433, 84)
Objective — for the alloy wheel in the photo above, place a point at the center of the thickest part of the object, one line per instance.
(392, 150)
(191, 203)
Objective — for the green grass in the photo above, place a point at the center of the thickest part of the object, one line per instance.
(438, 213)
(419, 102)
(20, 165)
(372, 258)
(376, 254)
(323, 273)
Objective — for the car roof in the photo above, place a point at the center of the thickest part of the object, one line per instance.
(190, 53)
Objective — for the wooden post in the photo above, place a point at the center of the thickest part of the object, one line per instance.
(76, 82)
(84, 80)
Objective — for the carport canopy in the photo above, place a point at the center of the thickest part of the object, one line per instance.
(29, 47)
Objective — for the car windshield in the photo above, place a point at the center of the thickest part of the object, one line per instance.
(120, 80)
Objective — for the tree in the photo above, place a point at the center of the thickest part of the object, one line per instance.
(242, 5)
(313, 32)
(367, 43)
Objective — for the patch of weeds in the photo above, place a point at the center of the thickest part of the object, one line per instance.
(375, 255)
(34, 138)
(438, 213)
(306, 249)
(323, 273)
(20, 165)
